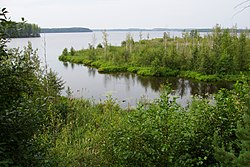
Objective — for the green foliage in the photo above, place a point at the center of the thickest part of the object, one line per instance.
(200, 76)
(28, 98)
(133, 69)
(166, 72)
(65, 52)
(72, 51)
(22, 30)
(243, 130)
(41, 128)
(236, 152)
(212, 57)
(160, 133)
(112, 69)
(146, 71)
(3, 36)
(83, 133)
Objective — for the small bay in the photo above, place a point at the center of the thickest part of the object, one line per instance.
(127, 89)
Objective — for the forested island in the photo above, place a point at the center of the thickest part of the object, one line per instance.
(65, 30)
(220, 55)
(21, 30)
(26, 30)
(40, 127)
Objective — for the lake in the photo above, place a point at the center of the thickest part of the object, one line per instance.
(126, 88)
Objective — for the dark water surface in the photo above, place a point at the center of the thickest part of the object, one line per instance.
(128, 89)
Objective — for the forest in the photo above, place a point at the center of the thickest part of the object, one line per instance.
(20, 30)
(40, 127)
(221, 54)
(65, 30)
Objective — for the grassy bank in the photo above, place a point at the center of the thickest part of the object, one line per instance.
(109, 67)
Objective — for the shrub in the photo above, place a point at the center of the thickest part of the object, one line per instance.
(111, 69)
(133, 69)
(146, 71)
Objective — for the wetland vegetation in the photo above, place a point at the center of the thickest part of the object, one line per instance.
(40, 127)
(220, 55)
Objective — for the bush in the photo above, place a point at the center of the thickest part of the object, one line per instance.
(166, 72)
(96, 64)
(199, 76)
(146, 71)
(111, 69)
(158, 134)
(133, 69)
(27, 99)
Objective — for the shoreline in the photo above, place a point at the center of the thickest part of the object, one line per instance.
(105, 68)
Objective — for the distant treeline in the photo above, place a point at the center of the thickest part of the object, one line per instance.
(65, 30)
(156, 29)
(21, 30)
(167, 29)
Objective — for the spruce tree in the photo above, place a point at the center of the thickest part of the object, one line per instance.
(228, 156)
(243, 134)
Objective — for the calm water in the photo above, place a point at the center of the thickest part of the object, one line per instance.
(126, 88)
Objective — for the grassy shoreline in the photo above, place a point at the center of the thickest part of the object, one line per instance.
(104, 67)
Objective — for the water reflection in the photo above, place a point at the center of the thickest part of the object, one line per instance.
(88, 83)
(72, 65)
(91, 72)
(131, 87)
(65, 64)
(183, 88)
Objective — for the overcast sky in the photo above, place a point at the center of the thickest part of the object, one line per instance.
(129, 13)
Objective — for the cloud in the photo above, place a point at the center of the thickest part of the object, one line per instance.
(127, 13)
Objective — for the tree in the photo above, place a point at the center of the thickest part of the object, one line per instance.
(242, 59)
(94, 40)
(165, 40)
(22, 30)
(105, 43)
(236, 151)
(195, 57)
(194, 34)
(129, 42)
(27, 99)
(72, 51)
(243, 134)
(4, 22)
(65, 52)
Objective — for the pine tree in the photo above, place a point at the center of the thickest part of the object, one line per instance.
(242, 56)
